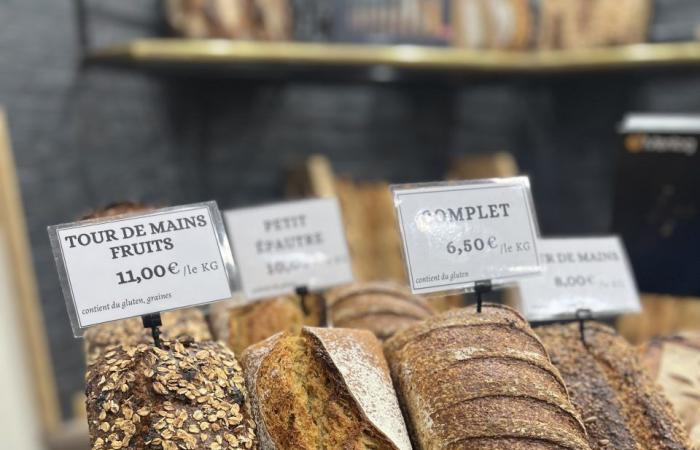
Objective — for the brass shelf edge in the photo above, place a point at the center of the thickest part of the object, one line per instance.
(225, 52)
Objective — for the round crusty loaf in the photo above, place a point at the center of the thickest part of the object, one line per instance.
(621, 407)
(179, 324)
(183, 396)
(380, 307)
(323, 389)
(471, 380)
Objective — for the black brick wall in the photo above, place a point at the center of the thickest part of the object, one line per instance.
(87, 137)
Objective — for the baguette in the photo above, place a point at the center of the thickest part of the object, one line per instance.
(380, 307)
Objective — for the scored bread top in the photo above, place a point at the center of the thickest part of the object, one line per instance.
(357, 357)
(346, 293)
(478, 379)
(621, 406)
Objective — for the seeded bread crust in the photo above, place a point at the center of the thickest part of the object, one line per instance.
(178, 324)
(620, 405)
(470, 380)
(380, 307)
(353, 360)
(184, 396)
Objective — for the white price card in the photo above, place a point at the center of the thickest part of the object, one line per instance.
(284, 246)
(455, 234)
(126, 266)
(590, 274)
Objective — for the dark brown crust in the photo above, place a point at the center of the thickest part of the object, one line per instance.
(620, 405)
(475, 380)
(380, 307)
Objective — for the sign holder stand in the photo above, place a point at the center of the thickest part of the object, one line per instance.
(582, 315)
(303, 293)
(480, 288)
(153, 321)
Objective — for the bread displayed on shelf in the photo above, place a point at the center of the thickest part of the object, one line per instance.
(661, 315)
(181, 324)
(481, 380)
(619, 403)
(181, 396)
(371, 229)
(257, 321)
(272, 20)
(492, 24)
(380, 307)
(674, 363)
(210, 18)
(575, 24)
(325, 388)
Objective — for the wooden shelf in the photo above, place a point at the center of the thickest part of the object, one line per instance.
(230, 55)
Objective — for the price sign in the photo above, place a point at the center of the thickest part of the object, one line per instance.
(288, 245)
(120, 267)
(455, 234)
(580, 274)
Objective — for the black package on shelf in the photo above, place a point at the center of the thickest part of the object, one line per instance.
(675, 21)
(657, 201)
(313, 20)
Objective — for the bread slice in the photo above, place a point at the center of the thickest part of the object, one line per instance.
(324, 389)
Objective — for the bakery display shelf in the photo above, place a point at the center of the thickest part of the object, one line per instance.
(171, 53)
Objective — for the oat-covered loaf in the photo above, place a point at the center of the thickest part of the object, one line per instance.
(186, 324)
(620, 405)
(323, 389)
(471, 380)
(674, 363)
(117, 209)
(184, 396)
(380, 307)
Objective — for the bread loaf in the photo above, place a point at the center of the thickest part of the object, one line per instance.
(621, 407)
(323, 389)
(183, 396)
(178, 324)
(210, 18)
(472, 380)
(118, 209)
(674, 363)
(255, 322)
(380, 307)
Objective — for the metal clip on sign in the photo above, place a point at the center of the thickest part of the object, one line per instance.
(481, 287)
(582, 315)
(303, 293)
(153, 321)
